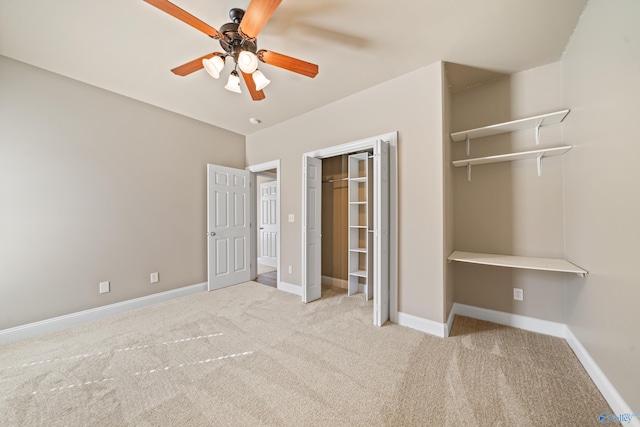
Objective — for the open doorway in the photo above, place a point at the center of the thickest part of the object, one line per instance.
(267, 228)
(265, 220)
(383, 243)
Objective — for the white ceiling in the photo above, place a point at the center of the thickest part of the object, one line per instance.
(128, 47)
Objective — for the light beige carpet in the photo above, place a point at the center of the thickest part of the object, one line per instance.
(250, 355)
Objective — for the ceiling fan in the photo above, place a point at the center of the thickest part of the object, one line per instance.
(238, 39)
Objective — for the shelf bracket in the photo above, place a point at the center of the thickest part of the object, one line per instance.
(581, 274)
(539, 161)
(468, 145)
(537, 130)
(468, 172)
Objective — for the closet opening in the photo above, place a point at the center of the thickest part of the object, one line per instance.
(353, 244)
(347, 223)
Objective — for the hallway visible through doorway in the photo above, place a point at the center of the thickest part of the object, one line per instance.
(267, 276)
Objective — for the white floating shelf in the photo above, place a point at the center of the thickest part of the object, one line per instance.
(533, 154)
(512, 126)
(528, 263)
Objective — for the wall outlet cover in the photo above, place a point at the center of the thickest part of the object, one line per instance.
(155, 277)
(104, 287)
(518, 294)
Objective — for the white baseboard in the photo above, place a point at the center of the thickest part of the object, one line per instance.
(609, 392)
(332, 281)
(517, 321)
(269, 262)
(423, 325)
(291, 288)
(62, 322)
(611, 395)
(452, 315)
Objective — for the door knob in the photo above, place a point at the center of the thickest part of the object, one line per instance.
(212, 233)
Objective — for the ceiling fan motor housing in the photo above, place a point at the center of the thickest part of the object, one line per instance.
(233, 43)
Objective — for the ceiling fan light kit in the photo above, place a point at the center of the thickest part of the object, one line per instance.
(260, 80)
(233, 84)
(213, 65)
(247, 61)
(238, 39)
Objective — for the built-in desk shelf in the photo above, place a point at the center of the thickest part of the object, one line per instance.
(528, 263)
(534, 122)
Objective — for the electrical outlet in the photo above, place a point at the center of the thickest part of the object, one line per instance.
(291, 218)
(155, 278)
(518, 294)
(104, 287)
(290, 270)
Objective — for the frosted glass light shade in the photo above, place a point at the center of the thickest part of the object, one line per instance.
(260, 80)
(247, 62)
(233, 84)
(213, 66)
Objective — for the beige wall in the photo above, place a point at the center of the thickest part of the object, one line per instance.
(600, 71)
(410, 104)
(95, 187)
(507, 208)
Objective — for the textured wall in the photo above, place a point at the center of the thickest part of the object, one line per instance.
(97, 187)
(600, 70)
(410, 104)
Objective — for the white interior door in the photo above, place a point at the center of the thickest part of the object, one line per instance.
(268, 224)
(312, 229)
(381, 232)
(228, 228)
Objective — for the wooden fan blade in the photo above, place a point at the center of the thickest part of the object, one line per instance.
(288, 63)
(256, 95)
(257, 14)
(184, 16)
(191, 66)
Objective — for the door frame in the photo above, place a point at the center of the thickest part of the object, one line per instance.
(360, 145)
(257, 170)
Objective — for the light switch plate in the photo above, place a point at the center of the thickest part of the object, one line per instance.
(291, 218)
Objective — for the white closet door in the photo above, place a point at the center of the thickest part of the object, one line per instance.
(268, 224)
(381, 232)
(312, 229)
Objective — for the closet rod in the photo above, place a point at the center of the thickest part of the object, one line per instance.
(336, 180)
